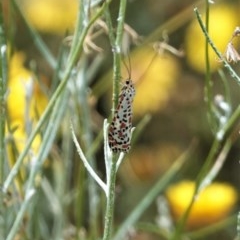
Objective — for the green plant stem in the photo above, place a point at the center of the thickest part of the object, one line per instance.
(3, 84)
(83, 20)
(116, 65)
(117, 51)
(208, 82)
(22, 210)
(238, 227)
(110, 200)
(227, 93)
(116, 44)
(73, 57)
(82, 23)
(87, 140)
(86, 164)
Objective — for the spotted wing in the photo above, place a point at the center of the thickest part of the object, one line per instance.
(119, 134)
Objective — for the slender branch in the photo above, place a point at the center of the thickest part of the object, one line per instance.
(117, 51)
(217, 165)
(110, 201)
(116, 43)
(120, 159)
(116, 69)
(3, 84)
(238, 226)
(107, 151)
(86, 164)
(87, 135)
(23, 209)
(208, 81)
(112, 158)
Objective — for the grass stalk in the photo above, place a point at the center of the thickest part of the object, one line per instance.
(208, 82)
(83, 20)
(110, 200)
(116, 43)
(3, 84)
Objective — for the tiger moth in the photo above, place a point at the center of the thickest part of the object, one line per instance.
(119, 133)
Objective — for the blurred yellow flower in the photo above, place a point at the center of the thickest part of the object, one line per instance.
(21, 85)
(212, 205)
(222, 21)
(154, 80)
(51, 16)
(25, 103)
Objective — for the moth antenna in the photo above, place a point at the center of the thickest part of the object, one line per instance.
(129, 69)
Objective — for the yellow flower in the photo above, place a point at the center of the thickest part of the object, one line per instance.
(25, 103)
(154, 80)
(21, 84)
(51, 16)
(212, 205)
(222, 21)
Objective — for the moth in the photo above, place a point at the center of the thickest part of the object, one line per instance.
(119, 133)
